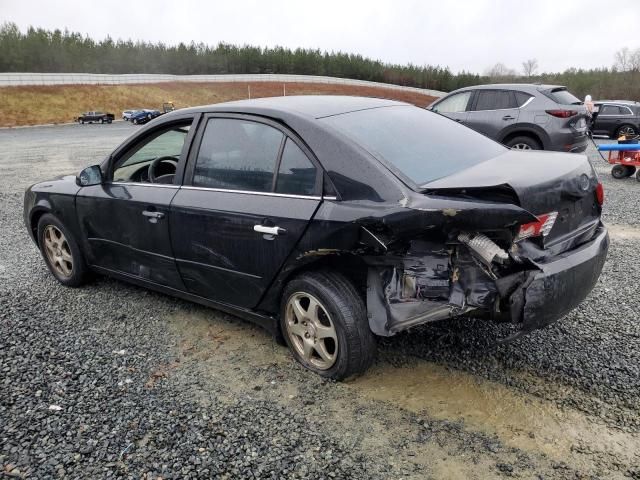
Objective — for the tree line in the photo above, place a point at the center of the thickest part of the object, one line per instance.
(40, 50)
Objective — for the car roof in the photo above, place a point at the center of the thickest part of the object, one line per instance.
(619, 102)
(525, 87)
(316, 106)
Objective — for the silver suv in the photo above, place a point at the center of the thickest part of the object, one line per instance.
(521, 116)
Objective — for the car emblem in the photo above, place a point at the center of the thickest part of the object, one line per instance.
(584, 182)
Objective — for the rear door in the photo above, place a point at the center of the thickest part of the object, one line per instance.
(250, 190)
(492, 111)
(608, 120)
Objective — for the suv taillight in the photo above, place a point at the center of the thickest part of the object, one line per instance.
(600, 194)
(560, 113)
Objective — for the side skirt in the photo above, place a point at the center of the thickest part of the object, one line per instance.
(269, 323)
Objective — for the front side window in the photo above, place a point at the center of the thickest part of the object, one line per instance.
(237, 155)
(296, 175)
(453, 104)
(133, 166)
(417, 143)
(495, 100)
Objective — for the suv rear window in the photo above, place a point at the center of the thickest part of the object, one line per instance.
(562, 96)
(415, 143)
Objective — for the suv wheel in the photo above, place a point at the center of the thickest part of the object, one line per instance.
(627, 131)
(523, 143)
(324, 322)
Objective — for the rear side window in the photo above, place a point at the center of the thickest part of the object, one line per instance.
(522, 98)
(453, 104)
(495, 100)
(415, 143)
(562, 96)
(609, 110)
(237, 155)
(296, 175)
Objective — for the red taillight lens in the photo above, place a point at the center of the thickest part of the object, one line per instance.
(535, 229)
(600, 194)
(562, 113)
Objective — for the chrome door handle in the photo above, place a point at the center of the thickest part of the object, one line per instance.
(508, 117)
(269, 230)
(153, 216)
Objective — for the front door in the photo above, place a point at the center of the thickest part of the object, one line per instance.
(250, 192)
(125, 221)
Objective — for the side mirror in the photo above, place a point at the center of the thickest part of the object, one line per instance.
(89, 176)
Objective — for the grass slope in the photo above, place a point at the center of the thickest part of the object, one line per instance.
(31, 105)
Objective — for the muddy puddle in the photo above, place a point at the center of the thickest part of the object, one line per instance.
(519, 420)
(623, 232)
(229, 352)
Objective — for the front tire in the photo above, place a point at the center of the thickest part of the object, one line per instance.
(61, 252)
(324, 322)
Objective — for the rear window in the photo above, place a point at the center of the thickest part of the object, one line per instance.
(563, 96)
(419, 145)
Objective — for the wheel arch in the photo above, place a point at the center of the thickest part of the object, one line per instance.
(526, 130)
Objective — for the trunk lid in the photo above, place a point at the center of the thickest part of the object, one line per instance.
(541, 182)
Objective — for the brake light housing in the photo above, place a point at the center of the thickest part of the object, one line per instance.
(600, 193)
(562, 113)
(540, 228)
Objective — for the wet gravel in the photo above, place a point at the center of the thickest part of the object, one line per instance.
(85, 374)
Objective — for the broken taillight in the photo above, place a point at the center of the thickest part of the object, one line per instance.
(600, 193)
(562, 113)
(540, 228)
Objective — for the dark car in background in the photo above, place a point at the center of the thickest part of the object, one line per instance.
(520, 116)
(615, 118)
(143, 116)
(330, 220)
(97, 117)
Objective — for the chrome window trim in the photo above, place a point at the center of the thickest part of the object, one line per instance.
(527, 102)
(251, 192)
(141, 184)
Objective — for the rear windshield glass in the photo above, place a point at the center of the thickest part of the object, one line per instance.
(563, 97)
(419, 144)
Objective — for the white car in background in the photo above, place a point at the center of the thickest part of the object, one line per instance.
(126, 114)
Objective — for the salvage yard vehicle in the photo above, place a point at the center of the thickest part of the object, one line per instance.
(616, 118)
(521, 116)
(143, 116)
(126, 114)
(330, 221)
(98, 117)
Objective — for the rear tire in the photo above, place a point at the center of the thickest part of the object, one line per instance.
(61, 252)
(627, 131)
(333, 339)
(638, 176)
(523, 143)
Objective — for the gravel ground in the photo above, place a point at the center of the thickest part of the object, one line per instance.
(114, 381)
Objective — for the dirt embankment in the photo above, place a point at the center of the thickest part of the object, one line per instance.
(32, 105)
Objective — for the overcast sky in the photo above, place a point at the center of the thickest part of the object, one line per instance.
(463, 35)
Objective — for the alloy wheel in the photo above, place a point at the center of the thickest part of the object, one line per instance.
(521, 146)
(627, 131)
(57, 250)
(311, 331)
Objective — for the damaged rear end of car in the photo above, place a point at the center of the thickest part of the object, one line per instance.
(526, 250)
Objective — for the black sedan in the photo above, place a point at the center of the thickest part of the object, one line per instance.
(330, 221)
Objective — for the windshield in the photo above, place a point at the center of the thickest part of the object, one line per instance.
(421, 145)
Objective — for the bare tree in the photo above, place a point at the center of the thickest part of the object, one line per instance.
(634, 60)
(500, 70)
(530, 67)
(622, 59)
